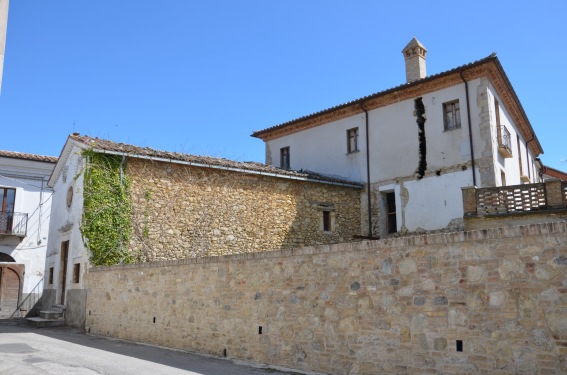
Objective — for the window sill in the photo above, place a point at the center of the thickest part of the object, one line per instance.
(450, 130)
(353, 152)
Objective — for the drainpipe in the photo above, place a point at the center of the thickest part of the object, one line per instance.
(121, 183)
(528, 155)
(369, 194)
(40, 223)
(470, 127)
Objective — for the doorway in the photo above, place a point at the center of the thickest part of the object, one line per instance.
(64, 257)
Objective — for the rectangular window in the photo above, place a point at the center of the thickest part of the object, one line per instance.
(452, 115)
(50, 275)
(352, 140)
(327, 226)
(76, 272)
(7, 201)
(284, 158)
(503, 177)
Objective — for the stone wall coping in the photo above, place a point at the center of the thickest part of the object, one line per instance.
(389, 243)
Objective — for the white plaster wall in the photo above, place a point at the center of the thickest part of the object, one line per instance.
(324, 149)
(394, 142)
(435, 201)
(65, 224)
(511, 165)
(394, 153)
(34, 199)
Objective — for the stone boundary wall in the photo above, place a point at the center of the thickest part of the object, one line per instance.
(480, 302)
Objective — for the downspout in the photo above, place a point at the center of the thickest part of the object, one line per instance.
(39, 216)
(470, 127)
(121, 184)
(528, 155)
(369, 195)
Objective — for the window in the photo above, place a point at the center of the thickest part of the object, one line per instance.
(76, 272)
(69, 196)
(7, 201)
(452, 115)
(503, 177)
(50, 275)
(327, 227)
(284, 158)
(352, 140)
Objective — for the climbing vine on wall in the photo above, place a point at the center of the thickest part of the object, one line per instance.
(107, 209)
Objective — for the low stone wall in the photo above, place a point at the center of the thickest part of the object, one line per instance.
(490, 301)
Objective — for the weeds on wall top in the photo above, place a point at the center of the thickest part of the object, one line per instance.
(107, 209)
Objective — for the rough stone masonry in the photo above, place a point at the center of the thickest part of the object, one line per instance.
(479, 302)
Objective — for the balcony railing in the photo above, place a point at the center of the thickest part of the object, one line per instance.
(516, 199)
(505, 142)
(13, 223)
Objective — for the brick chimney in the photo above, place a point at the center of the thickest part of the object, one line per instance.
(414, 53)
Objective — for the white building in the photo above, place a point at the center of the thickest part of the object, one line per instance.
(417, 143)
(25, 206)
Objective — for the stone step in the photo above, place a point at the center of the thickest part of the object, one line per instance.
(42, 323)
(50, 314)
(59, 307)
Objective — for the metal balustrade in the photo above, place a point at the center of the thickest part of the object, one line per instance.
(13, 223)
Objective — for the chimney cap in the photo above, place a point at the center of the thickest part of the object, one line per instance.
(411, 50)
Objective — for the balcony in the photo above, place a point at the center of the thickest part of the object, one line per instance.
(504, 142)
(514, 205)
(13, 224)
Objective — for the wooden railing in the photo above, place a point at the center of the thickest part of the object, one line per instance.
(506, 200)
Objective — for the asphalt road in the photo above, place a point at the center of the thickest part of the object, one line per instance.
(62, 350)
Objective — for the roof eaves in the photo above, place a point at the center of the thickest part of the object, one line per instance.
(491, 57)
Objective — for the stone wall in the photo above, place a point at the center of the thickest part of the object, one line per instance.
(406, 305)
(183, 211)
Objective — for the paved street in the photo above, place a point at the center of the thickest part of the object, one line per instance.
(62, 350)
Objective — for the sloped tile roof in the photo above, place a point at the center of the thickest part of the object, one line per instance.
(103, 145)
(24, 156)
(403, 86)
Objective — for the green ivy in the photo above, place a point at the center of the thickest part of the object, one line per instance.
(107, 209)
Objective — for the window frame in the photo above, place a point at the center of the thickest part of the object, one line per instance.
(352, 135)
(454, 114)
(76, 273)
(285, 161)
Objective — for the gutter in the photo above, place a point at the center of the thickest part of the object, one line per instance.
(233, 169)
(470, 126)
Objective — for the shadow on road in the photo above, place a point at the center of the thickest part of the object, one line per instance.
(198, 363)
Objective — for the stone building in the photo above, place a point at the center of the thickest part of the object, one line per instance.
(417, 144)
(25, 204)
(117, 203)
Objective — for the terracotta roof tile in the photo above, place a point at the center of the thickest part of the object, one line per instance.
(254, 167)
(34, 157)
(377, 94)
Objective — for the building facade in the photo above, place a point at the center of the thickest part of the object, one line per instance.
(179, 206)
(417, 144)
(25, 205)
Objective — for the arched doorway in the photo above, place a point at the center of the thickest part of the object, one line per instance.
(10, 288)
(6, 258)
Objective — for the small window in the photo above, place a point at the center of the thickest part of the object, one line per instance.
(352, 140)
(327, 221)
(69, 196)
(50, 275)
(284, 158)
(503, 177)
(390, 205)
(452, 115)
(76, 272)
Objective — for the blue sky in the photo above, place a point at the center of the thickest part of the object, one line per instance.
(200, 76)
